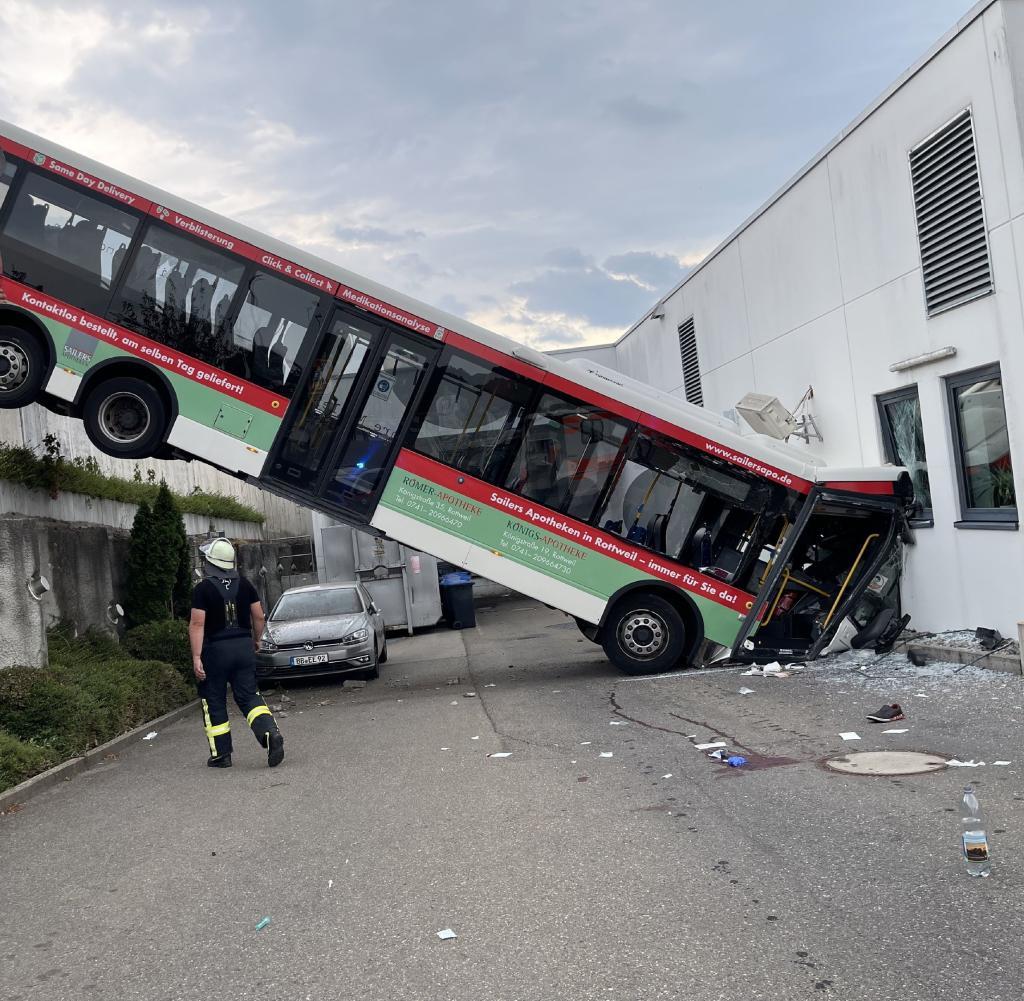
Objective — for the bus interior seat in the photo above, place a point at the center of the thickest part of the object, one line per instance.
(117, 262)
(82, 246)
(220, 313)
(201, 311)
(657, 533)
(174, 290)
(30, 219)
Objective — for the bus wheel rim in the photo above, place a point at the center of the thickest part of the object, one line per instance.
(643, 634)
(124, 418)
(15, 366)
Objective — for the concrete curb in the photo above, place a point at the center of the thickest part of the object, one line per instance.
(1007, 663)
(66, 770)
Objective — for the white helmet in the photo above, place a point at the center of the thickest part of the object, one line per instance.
(219, 552)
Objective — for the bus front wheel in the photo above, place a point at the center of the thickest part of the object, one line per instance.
(22, 368)
(644, 634)
(125, 417)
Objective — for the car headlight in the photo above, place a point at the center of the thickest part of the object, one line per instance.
(355, 637)
(267, 644)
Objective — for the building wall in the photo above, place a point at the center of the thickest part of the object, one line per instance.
(823, 289)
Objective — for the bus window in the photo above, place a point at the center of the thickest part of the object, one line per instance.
(671, 499)
(567, 455)
(271, 327)
(66, 243)
(6, 177)
(473, 415)
(175, 292)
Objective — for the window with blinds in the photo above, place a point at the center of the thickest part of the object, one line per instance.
(950, 216)
(691, 363)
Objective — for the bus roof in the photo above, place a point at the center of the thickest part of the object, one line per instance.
(619, 393)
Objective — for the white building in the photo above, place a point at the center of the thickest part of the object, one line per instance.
(887, 275)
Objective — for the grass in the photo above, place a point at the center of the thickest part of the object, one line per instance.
(93, 690)
(55, 474)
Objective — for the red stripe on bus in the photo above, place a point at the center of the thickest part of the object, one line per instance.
(76, 176)
(580, 534)
(861, 486)
(591, 396)
(393, 313)
(143, 347)
(498, 358)
(730, 455)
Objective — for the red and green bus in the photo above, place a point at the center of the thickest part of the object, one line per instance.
(667, 534)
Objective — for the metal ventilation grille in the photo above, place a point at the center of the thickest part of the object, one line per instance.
(950, 216)
(691, 363)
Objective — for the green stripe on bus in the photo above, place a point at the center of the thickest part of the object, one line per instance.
(536, 548)
(200, 403)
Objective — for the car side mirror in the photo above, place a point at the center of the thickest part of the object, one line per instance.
(374, 610)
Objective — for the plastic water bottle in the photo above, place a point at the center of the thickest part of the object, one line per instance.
(977, 858)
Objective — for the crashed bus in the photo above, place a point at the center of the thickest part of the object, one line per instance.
(670, 537)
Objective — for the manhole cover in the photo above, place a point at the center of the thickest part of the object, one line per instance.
(886, 763)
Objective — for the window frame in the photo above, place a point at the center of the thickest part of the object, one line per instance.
(926, 516)
(994, 518)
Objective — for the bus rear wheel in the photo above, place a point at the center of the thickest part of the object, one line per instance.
(125, 417)
(22, 368)
(644, 634)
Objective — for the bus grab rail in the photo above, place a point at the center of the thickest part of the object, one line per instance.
(849, 577)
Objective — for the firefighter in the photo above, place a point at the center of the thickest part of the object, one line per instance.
(224, 630)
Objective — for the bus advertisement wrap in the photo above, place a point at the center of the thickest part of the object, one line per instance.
(552, 544)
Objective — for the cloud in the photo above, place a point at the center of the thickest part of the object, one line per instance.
(659, 272)
(374, 235)
(567, 257)
(640, 113)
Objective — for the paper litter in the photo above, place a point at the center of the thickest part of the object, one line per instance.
(1001, 762)
(446, 933)
(667, 776)
(262, 924)
(850, 735)
(605, 754)
(618, 722)
(500, 754)
(746, 691)
(954, 763)
(707, 747)
(150, 735)
(895, 731)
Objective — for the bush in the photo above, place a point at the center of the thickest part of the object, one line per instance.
(20, 760)
(166, 641)
(91, 692)
(54, 474)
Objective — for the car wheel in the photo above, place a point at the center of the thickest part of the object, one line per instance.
(374, 672)
(644, 634)
(22, 368)
(125, 417)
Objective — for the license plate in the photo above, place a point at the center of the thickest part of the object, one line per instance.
(313, 658)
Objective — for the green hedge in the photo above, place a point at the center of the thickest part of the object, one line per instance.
(92, 692)
(166, 641)
(55, 474)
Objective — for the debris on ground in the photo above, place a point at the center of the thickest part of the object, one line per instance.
(150, 735)
(490, 684)
(887, 714)
(606, 754)
(445, 934)
(736, 761)
(263, 922)
(453, 703)
(330, 883)
(469, 695)
(355, 684)
(850, 735)
(746, 691)
(720, 755)
(1002, 762)
(500, 754)
(955, 763)
(895, 731)
(618, 722)
(667, 776)
(709, 746)
(455, 681)
(988, 638)
(917, 658)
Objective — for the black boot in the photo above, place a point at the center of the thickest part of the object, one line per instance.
(275, 748)
(224, 761)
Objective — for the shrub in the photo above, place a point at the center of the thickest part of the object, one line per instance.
(166, 641)
(20, 760)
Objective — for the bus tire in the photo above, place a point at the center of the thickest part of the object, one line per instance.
(644, 634)
(22, 367)
(125, 417)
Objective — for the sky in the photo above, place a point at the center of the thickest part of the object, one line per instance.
(547, 170)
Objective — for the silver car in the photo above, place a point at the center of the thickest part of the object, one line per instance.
(320, 630)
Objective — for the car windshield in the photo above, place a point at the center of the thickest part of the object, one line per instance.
(314, 604)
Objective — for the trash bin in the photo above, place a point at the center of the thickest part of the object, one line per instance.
(457, 600)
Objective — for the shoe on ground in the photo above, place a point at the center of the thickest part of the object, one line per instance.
(224, 761)
(887, 714)
(275, 750)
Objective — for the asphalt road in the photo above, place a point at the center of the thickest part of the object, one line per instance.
(652, 873)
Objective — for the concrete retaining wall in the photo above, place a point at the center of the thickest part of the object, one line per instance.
(30, 425)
